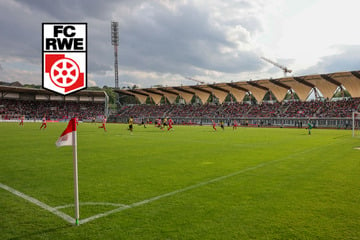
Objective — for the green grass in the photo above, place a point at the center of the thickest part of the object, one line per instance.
(287, 185)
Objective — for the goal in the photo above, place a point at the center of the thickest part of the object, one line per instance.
(355, 124)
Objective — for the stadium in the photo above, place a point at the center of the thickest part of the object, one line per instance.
(193, 135)
(271, 178)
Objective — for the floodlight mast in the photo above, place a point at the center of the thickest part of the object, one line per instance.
(285, 69)
(115, 43)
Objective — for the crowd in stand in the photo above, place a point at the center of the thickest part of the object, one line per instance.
(14, 109)
(291, 109)
(53, 110)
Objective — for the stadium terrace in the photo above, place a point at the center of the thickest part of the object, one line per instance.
(288, 101)
(34, 104)
(327, 100)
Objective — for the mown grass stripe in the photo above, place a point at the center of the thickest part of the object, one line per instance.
(38, 203)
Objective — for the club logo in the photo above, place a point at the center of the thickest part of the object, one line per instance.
(64, 52)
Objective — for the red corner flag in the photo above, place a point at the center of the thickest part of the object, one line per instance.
(66, 138)
(69, 138)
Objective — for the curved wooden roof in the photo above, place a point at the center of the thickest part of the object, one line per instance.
(302, 85)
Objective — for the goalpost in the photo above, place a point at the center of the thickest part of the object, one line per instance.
(355, 124)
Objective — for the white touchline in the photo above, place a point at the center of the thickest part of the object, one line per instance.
(123, 207)
(169, 194)
(189, 187)
(40, 204)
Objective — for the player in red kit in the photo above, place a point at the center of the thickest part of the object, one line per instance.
(235, 125)
(103, 124)
(170, 123)
(214, 125)
(44, 124)
(158, 123)
(22, 120)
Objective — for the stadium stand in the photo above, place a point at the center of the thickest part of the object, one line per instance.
(241, 101)
(297, 109)
(35, 103)
(323, 110)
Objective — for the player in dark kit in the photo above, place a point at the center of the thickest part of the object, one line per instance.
(131, 124)
(222, 125)
(143, 123)
(164, 124)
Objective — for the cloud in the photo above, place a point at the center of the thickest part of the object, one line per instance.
(162, 40)
(19, 39)
(92, 83)
(22, 76)
(184, 41)
(166, 37)
(346, 59)
(69, 10)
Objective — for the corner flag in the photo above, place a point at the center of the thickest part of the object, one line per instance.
(69, 138)
(66, 138)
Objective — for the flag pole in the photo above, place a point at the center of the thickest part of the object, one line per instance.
(76, 187)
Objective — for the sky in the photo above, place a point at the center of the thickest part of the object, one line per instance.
(161, 42)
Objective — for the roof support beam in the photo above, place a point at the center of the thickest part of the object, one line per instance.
(200, 89)
(152, 91)
(237, 87)
(218, 88)
(356, 74)
(301, 80)
(330, 79)
(138, 92)
(280, 84)
(168, 91)
(184, 90)
(257, 85)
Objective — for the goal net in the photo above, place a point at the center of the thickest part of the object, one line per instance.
(356, 124)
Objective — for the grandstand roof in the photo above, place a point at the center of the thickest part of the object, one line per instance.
(327, 84)
(278, 89)
(350, 80)
(302, 85)
(7, 90)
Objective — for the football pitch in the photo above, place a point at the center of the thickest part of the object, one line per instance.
(190, 183)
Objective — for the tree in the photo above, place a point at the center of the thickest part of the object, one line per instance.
(230, 98)
(250, 98)
(150, 101)
(164, 100)
(290, 96)
(110, 92)
(342, 93)
(267, 96)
